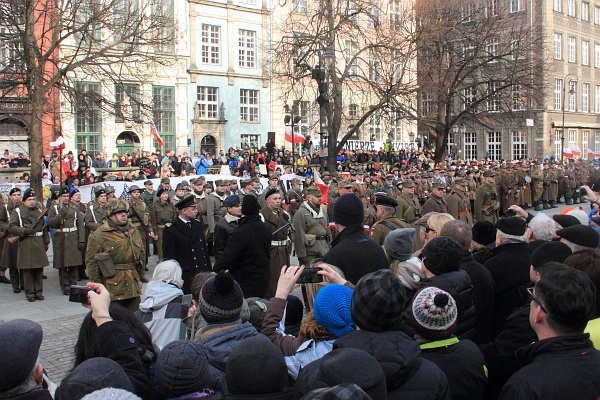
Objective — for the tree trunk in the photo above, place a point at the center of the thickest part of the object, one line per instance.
(35, 144)
(441, 140)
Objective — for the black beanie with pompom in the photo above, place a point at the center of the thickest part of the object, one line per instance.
(221, 298)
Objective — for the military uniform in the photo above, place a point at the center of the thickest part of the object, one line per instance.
(140, 218)
(294, 199)
(458, 203)
(10, 248)
(486, 202)
(69, 239)
(435, 204)
(215, 210)
(311, 235)
(115, 257)
(571, 186)
(409, 208)
(381, 228)
(537, 186)
(280, 245)
(95, 215)
(161, 214)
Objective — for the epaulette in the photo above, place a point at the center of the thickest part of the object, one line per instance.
(168, 224)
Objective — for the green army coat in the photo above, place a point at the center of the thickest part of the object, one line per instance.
(32, 248)
(70, 231)
(95, 215)
(459, 206)
(486, 195)
(162, 213)
(408, 209)
(304, 220)
(381, 229)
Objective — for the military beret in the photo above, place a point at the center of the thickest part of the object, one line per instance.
(314, 190)
(64, 189)
(385, 200)
(148, 182)
(73, 192)
(582, 235)
(161, 191)
(408, 183)
(28, 193)
(165, 180)
(20, 342)
(133, 188)
(187, 201)
(270, 192)
(512, 226)
(14, 190)
(180, 186)
(566, 221)
(232, 201)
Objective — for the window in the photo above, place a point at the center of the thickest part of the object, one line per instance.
(597, 55)
(491, 49)
(467, 12)
(468, 51)
(163, 113)
(572, 98)
(585, 138)
(353, 110)
(426, 104)
(494, 145)
(558, 46)
(87, 20)
(374, 66)
(302, 109)
(572, 137)
(571, 11)
(88, 117)
(557, 144)
(470, 145)
(248, 2)
(351, 57)
(585, 97)
(374, 14)
(127, 102)
(493, 102)
(515, 6)
(515, 49)
(585, 52)
(211, 44)
(395, 15)
(249, 105)
(518, 102)
(585, 11)
(300, 6)
(247, 48)
(597, 15)
(491, 9)
(397, 63)
(519, 145)
(558, 88)
(451, 145)
(207, 99)
(596, 140)
(10, 49)
(123, 31)
(397, 126)
(558, 5)
(252, 141)
(572, 49)
(375, 126)
(162, 13)
(468, 97)
(597, 99)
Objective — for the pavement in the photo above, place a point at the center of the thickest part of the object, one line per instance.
(61, 319)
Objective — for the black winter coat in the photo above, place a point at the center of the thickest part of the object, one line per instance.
(355, 253)
(463, 364)
(408, 375)
(188, 247)
(509, 266)
(483, 297)
(559, 368)
(247, 256)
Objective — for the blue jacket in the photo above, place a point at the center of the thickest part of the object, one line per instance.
(201, 166)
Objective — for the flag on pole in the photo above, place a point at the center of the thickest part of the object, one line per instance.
(567, 153)
(576, 151)
(298, 138)
(155, 134)
(58, 144)
(125, 195)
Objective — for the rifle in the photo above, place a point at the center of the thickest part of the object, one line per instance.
(42, 216)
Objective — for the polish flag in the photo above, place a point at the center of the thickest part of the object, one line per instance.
(591, 154)
(567, 153)
(576, 151)
(298, 138)
(58, 144)
(155, 134)
(324, 188)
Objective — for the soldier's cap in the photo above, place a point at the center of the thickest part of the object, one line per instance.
(180, 186)
(110, 189)
(221, 182)
(353, 173)
(98, 190)
(193, 181)
(389, 176)
(73, 192)
(274, 175)
(408, 183)
(132, 188)
(460, 181)
(64, 189)
(28, 193)
(165, 180)
(117, 207)
(207, 185)
(489, 173)
(185, 183)
(14, 190)
(233, 182)
(161, 191)
(345, 184)
(270, 192)
(314, 190)
(381, 199)
(438, 185)
(148, 182)
(394, 169)
(326, 178)
(360, 171)
(232, 201)
(187, 201)
(246, 182)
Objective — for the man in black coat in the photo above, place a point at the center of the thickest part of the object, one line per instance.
(353, 251)
(184, 241)
(246, 254)
(227, 225)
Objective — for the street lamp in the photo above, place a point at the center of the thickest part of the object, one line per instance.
(411, 138)
(571, 92)
(292, 121)
(319, 74)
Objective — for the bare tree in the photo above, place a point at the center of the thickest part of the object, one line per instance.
(476, 65)
(372, 77)
(54, 44)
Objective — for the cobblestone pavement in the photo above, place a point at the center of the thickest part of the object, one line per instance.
(61, 320)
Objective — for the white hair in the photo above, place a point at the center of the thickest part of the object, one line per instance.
(542, 226)
(168, 271)
(510, 238)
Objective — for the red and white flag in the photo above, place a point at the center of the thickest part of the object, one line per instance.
(58, 144)
(567, 153)
(155, 134)
(593, 154)
(298, 138)
(576, 151)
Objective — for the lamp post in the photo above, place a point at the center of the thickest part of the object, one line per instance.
(411, 138)
(571, 92)
(319, 74)
(292, 121)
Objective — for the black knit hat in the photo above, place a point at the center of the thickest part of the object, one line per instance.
(515, 226)
(256, 366)
(348, 210)
(442, 254)
(91, 375)
(270, 192)
(378, 302)
(250, 205)
(221, 298)
(582, 235)
(484, 232)
(182, 368)
(550, 251)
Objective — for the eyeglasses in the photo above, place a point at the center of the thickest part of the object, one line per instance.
(428, 229)
(527, 294)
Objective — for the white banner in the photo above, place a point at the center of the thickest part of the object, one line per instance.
(369, 145)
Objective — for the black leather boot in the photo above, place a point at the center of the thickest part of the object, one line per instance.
(536, 206)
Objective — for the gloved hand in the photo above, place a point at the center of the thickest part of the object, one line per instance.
(81, 246)
(28, 231)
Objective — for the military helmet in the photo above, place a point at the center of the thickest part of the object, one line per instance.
(118, 206)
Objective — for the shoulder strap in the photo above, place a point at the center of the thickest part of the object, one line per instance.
(387, 224)
(93, 215)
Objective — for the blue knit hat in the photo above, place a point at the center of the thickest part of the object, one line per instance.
(333, 309)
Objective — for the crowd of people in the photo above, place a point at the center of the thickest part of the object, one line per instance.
(418, 281)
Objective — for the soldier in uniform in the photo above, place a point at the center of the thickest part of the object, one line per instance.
(69, 239)
(554, 186)
(578, 184)
(409, 208)
(273, 184)
(486, 199)
(547, 192)
(162, 212)
(226, 226)
(140, 218)
(311, 234)
(115, 257)
(215, 210)
(26, 222)
(184, 241)
(436, 202)
(537, 186)
(233, 187)
(471, 188)
(148, 193)
(246, 189)
(386, 221)
(275, 219)
(294, 196)
(458, 202)
(571, 185)
(389, 187)
(9, 248)
(97, 210)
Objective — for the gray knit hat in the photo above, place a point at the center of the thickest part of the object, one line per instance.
(182, 368)
(399, 244)
(112, 394)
